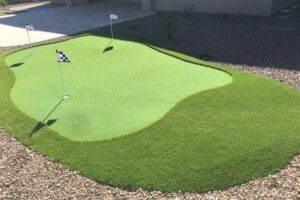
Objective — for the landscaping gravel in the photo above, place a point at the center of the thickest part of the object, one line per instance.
(286, 76)
(25, 174)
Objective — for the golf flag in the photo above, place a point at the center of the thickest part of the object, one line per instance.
(113, 17)
(61, 56)
(29, 28)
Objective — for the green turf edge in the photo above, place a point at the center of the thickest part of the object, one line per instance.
(18, 127)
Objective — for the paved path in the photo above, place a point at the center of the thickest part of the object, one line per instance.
(28, 6)
(60, 21)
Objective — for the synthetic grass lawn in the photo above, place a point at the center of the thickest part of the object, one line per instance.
(210, 140)
(111, 94)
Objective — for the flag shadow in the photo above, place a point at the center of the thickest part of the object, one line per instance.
(43, 123)
(17, 64)
(109, 48)
(20, 62)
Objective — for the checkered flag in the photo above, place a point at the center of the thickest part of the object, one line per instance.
(61, 57)
(29, 28)
(113, 17)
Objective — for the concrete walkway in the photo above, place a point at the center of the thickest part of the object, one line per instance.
(60, 21)
(28, 6)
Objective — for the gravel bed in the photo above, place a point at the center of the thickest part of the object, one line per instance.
(25, 174)
(271, 52)
(289, 77)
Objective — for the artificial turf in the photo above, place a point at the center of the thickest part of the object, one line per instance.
(210, 140)
(112, 94)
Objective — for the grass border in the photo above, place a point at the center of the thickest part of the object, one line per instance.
(232, 72)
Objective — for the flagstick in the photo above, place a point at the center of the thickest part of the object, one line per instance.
(111, 27)
(65, 96)
(29, 42)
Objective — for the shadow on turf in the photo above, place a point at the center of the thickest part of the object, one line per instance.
(109, 48)
(20, 62)
(43, 123)
(17, 64)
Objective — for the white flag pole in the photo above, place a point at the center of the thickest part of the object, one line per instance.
(111, 26)
(29, 41)
(65, 96)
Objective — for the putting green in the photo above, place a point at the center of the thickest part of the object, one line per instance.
(112, 94)
(210, 140)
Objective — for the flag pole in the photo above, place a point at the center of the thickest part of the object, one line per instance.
(111, 27)
(29, 42)
(65, 96)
